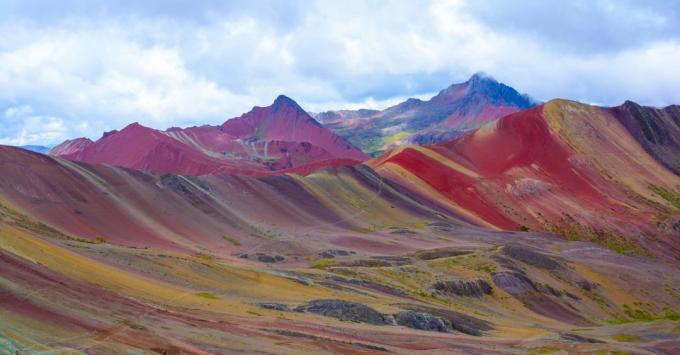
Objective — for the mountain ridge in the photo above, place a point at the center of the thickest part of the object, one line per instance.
(454, 110)
(275, 137)
(564, 167)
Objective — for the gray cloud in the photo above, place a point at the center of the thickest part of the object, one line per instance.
(98, 65)
(582, 26)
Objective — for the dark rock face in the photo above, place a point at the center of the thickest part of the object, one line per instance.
(275, 306)
(459, 321)
(586, 285)
(463, 288)
(657, 130)
(579, 339)
(676, 226)
(264, 258)
(542, 299)
(269, 259)
(531, 257)
(330, 254)
(440, 253)
(422, 321)
(513, 282)
(344, 310)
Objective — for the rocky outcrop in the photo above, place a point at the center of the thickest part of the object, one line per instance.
(542, 299)
(345, 310)
(263, 258)
(422, 321)
(656, 129)
(579, 339)
(531, 257)
(332, 253)
(463, 288)
(459, 321)
(275, 306)
(586, 285)
(513, 282)
(440, 252)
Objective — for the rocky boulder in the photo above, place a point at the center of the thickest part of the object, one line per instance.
(345, 310)
(463, 288)
(531, 257)
(422, 321)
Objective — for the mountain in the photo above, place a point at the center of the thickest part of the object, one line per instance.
(276, 137)
(454, 110)
(562, 167)
(554, 227)
(37, 148)
(657, 130)
(71, 146)
(104, 259)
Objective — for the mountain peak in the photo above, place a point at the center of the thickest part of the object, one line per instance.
(109, 133)
(629, 103)
(484, 84)
(285, 108)
(134, 127)
(285, 101)
(481, 77)
(478, 82)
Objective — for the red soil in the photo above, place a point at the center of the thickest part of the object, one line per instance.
(277, 137)
(458, 187)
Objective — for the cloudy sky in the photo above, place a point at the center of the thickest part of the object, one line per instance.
(78, 68)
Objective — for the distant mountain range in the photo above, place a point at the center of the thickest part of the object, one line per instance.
(284, 136)
(273, 138)
(456, 109)
(587, 169)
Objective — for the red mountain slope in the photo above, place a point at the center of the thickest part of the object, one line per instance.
(143, 148)
(71, 146)
(286, 121)
(563, 167)
(280, 136)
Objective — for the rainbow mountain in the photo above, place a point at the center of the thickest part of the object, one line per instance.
(552, 227)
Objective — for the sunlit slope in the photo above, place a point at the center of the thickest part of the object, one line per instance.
(563, 167)
(226, 213)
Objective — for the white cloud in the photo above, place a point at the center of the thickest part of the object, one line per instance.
(21, 127)
(84, 71)
(18, 111)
